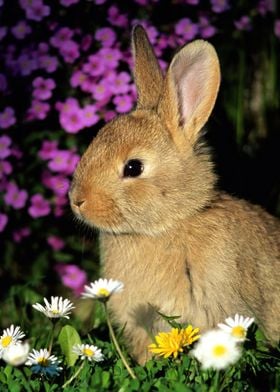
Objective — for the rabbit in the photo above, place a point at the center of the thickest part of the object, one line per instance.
(180, 245)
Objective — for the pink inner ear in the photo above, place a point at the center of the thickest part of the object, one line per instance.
(191, 84)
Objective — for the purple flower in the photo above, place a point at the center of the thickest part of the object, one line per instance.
(48, 149)
(205, 28)
(72, 276)
(48, 63)
(192, 2)
(119, 83)
(59, 184)
(106, 36)
(26, 64)
(265, 6)
(38, 110)
(277, 28)
(5, 168)
(18, 235)
(95, 66)
(70, 51)
(21, 29)
(3, 221)
(5, 143)
(15, 197)
(61, 36)
(3, 82)
(39, 206)
(55, 242)
(43, 88)
(35, 9)
(244, 23)
(7, 118)
(186, 29)
(3, 32)
(77, 78)
(219, 6)
(115, 18)
(110, 56)
(89, 115)
(64, 162)
(67, 3)
(71, 116)
(124, 103)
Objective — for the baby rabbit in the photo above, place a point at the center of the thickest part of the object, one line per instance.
(179, 245)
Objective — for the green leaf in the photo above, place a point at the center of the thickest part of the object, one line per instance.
(67, 338)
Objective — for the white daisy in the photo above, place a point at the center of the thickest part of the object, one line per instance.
(42, 362)
(237, 326)
(57, 308)
(16, 354)
(216, 349)
(102, 289)
(90, 352)
(10, 336)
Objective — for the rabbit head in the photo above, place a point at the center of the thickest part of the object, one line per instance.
(147, 170)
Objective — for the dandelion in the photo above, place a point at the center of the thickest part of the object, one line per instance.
(43, 363)
(57, 308)
(10, 336)
(237, 327)
(216, 349)
(102, 289)
(173, 342)
(89, 352)
(16, 354)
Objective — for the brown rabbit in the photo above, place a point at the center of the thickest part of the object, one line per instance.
(179, 245)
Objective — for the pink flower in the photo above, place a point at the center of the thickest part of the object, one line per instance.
(59, 184)
(61, 36)
(115, 18)
(3, 221)
(21, 29)
(86, 42)
(186, 29)
(7, 118)
(55, 242)
(48, 149)
(72, 276)
(64, 162)
(39, 206)
(101, 91)
(15, 197)
(106, 36)
(110, 56)
(119, 83)
(69, 51)
(5, 143)
(71, 116)
(265, 6)
(48, 63)
(124, 103)
(43, 88)
(37, 10)
(77, 78)
(219, 6)
(26, 64)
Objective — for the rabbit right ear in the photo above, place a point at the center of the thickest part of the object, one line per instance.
(190, 90)
(147, 73)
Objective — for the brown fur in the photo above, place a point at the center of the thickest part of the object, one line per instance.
(179, 246)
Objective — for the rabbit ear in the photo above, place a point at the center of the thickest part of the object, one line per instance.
(190, 90)
(147, 73)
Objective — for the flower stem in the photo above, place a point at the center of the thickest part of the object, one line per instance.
(116, 344)
(74, 376)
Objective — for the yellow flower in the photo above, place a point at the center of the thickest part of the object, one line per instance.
(173, 342)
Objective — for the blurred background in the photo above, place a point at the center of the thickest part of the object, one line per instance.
(65, 69)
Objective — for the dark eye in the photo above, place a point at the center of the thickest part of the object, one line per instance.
(133, 168)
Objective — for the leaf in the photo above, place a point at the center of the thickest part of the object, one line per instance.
(67, 338)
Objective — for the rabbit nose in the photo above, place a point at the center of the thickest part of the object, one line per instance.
(78, 203)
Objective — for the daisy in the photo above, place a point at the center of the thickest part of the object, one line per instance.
(102, 289)
(237, 326)
(173, 342)
(216, 349)
(16, 354)
(42, 362)
(90, 352)
(10, 337)
(57, 308)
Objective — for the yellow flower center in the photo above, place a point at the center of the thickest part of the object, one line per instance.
(88, 352)
(103, 292)
(55, 311)
(6, 341)
(219, 350)
(238, 332)
(43, 361)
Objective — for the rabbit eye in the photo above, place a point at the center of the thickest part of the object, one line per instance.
(133, 168)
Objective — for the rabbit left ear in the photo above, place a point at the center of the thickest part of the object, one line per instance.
(190, 90)
(147, 73)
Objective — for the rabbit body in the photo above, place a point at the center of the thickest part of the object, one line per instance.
(179, 245)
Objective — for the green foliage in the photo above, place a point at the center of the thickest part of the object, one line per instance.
(67, 338)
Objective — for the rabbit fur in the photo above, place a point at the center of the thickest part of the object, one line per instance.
(179, 245)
